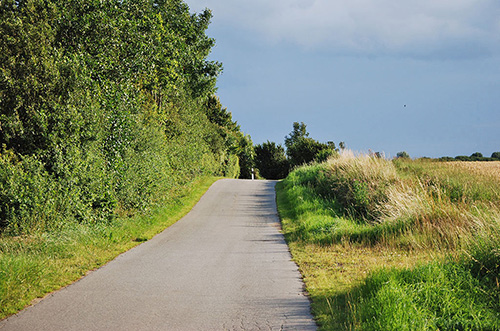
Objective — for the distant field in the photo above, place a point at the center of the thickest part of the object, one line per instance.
(483, 168)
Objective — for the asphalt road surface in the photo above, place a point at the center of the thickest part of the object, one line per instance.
(225, 266)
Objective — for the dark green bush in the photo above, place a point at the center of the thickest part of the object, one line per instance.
(271, 161)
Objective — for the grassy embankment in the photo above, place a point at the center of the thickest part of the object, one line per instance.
(396, 245)
(32, 266)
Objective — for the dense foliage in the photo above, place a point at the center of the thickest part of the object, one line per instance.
(274, 162)
(271, 160)
(302, 149)
(495, 156)
(105, 108)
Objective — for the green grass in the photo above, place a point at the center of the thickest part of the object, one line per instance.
(424, 258)
(436, 296)
(32, 266)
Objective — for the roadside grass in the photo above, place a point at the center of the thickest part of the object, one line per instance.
(33, 266)
(424, 257)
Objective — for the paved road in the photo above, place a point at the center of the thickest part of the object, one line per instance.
(224, 266)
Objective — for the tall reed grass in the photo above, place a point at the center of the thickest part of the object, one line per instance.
(358, 204)
(367, 199)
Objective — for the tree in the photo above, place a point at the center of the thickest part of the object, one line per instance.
(402, 155)
(495, 155)
(306, 150)
(106, 106)
(298, 133)
(271, 160)
(231, 140)
(246, 156)
(301, 149)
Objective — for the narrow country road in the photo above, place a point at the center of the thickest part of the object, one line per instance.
(225, 266)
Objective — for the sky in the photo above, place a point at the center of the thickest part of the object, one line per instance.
(380, 75)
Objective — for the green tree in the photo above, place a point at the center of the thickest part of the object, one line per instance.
(246, 156)
(495, 155)
(301, 149)
(477, 154)
(402, 155)
(298, 133)
(105, 108)
(231, 141)
(271, 160)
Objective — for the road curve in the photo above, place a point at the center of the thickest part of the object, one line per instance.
(224, 266)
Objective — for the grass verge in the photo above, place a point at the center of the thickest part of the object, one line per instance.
(439, 271)
(33, 266)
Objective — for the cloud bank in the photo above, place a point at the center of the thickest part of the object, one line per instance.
(435, 28)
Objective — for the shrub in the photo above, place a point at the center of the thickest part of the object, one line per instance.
(403, 155)
(86, 137)
(271, 161)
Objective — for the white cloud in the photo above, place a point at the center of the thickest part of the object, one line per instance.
(411, 27)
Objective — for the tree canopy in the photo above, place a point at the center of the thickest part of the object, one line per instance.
(274, 162)
(301, 149)
(105, 107)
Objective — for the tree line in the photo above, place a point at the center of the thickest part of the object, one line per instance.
(107, 107)
(275, 161)
(477, 156)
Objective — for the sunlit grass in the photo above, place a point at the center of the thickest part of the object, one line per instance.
(32, 266)
(422, 258)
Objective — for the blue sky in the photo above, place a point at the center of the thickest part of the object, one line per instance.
(347, 68)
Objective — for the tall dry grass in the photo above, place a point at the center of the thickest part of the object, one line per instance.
(353, 215)
(417, 203)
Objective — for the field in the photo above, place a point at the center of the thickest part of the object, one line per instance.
(396, 245)
(482, 168)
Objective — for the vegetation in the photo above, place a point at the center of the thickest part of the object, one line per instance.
(34, 265)
(274, 162)
(396, 245)
(106, 107)
(108, 115)
(301, 149)
(495, 156)
(271, 160)
(403, 155)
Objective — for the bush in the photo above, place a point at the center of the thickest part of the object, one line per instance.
(271, 161)
(403, 155)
